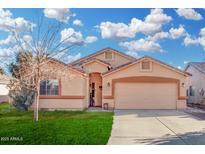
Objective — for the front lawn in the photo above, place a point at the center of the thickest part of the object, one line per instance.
(57, 127)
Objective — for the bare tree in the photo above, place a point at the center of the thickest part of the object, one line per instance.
(36, 55)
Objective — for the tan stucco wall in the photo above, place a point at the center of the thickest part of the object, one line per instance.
(72, 84)
(74, 104)
(110, 102)
(181, 104)
(117, 61)
(134, 70)
(197, 81)
(95, 67)
(87, 95)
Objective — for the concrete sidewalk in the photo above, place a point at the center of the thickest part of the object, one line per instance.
(156, 127)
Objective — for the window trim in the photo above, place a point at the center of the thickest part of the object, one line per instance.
(59, 89)
(146, 70)
(111, 58)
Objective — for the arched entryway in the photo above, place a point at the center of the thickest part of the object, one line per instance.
(95, 89)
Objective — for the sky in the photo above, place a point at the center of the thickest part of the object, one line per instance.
(174, 36)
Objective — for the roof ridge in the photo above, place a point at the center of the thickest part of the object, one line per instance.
(98, 52)
(99, 60)
(67, 65)
(129, 63)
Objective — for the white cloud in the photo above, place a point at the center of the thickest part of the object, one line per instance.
(142, 45)
(9, 40)
(200, 40)
(158, 36)
(116, 30)
(5, 14)
(8, 52)
(133, 54)
(77, 22)
(190, 41)
(202, 32)
(20, 24)
(60, 14)
(70, 36)
(7, 23)
(151, 42)
(27, 38)
(179, 67)
(144, 27)
(173, 33)
(151, 25)
(190, 14)
(24, 40)
(157, 16)
(91, 39)
(177, 32)
(7, 55)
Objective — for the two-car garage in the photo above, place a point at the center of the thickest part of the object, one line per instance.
(145, 84)
(145, 95)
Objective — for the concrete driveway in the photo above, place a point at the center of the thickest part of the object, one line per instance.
(156, 127)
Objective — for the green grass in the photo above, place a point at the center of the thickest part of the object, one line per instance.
(57, 127)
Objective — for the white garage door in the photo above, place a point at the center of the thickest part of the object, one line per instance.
(145, 95)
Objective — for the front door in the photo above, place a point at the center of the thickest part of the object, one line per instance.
(95, 89)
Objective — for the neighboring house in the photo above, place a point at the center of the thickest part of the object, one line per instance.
(110, 76)
(196, 82)
(4, 91)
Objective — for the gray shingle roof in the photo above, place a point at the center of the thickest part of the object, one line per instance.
(200, 66)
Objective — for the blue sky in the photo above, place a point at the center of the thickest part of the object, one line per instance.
(170, 35)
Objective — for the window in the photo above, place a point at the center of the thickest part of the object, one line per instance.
(202, 92)
(145, 65)
(108, 55)
(191, 91)
(49, 87)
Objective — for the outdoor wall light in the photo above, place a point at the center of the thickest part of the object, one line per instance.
(108, 84)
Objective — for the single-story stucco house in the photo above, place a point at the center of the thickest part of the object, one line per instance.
(121, 81)
(196, 83)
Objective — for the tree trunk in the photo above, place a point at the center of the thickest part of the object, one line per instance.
(38, 80)
(36, 108)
